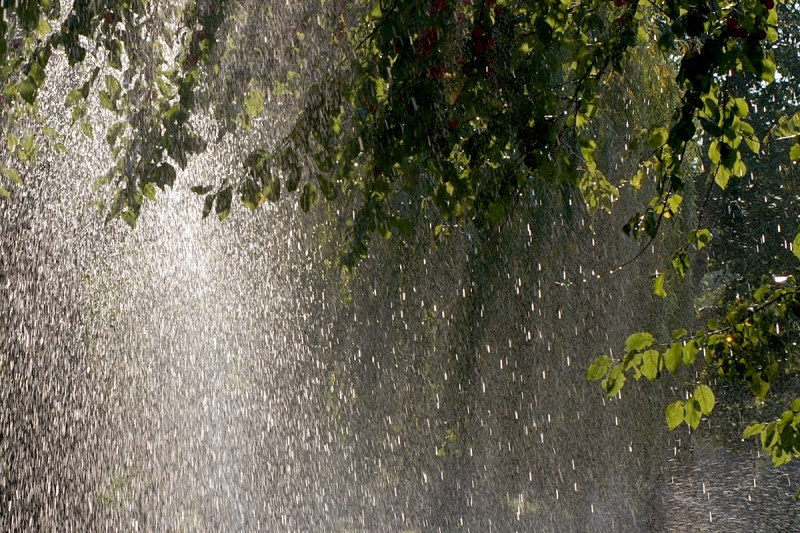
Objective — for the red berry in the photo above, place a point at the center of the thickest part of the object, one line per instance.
(377, 170)
(478, 32)
(437, 72)
(452, 124)
(769, 4)
(109, 17)
(479, 47)
(732, 23)
(438, 6)
(620, 3)
(761, 34)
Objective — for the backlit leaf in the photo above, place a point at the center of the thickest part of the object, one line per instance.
(705, 397)
(692, 413)
(673, 357)
(638, 342)
(649, 367)
(675, 414)
(599, 368)
(658, 285)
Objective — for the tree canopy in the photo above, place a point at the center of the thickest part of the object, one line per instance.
(455, 108)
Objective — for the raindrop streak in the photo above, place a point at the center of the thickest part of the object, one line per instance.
(192, 375)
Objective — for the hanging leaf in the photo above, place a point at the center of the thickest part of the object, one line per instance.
(705, 398)
(615, 380)
(223, 203)
(308, 197)
(599, 368)
(638, 342)
(675, 414)
(692, 413)
(13, 175)
(658, 285)
(796, 246)
(673, 357)
(649, 367)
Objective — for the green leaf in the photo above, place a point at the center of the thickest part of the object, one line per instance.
(690, 352)
(250, 194)
(615, 380)
(149, 191)
(308, 197)
(649, 366)
(599, 368)
(692, 413)
(254, 103)
(739, 106)
(87, 129)
(658, 136)
(794, 152)
(796, 246)
(638, 342)
(702, 238)
(13, 175)
(762, 291)
(328, 188)
(673, 357)
(658, 285)
(271, 189)
(27, 90)
(705, 397)
(208, 204)
(73, 97)
(113, 87)
(4, 193)
(201, 189)
(753, 430)
(164, 175)
(675, 414)
(106, 101)
(223, 205)
(758, 386)
(44, 28)
(721, 176)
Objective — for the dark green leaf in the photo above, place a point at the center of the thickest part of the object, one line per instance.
(614, 381)
(308, 197)
(27, 90)
(208, 204)
(223, 204)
